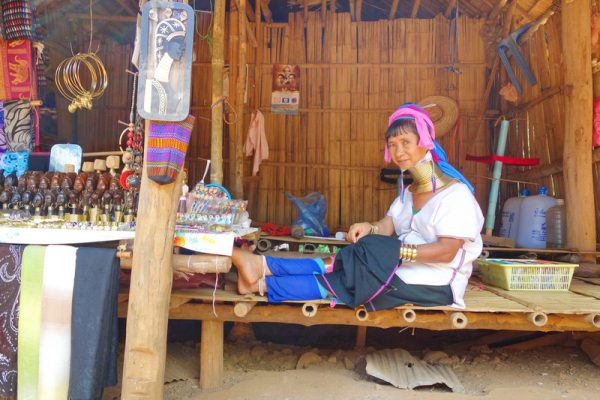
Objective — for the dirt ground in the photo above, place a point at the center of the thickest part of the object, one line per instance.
(265, 370)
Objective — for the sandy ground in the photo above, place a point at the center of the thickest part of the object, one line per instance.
(257, 370)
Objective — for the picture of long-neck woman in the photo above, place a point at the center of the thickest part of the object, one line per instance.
(164, 92)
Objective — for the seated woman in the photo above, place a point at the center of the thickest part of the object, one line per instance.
(437, 221)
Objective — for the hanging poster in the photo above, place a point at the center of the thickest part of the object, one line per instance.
(167, 39)
(285, 98)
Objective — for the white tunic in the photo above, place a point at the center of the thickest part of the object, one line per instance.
(452, 212)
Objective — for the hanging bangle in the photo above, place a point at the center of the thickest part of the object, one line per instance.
(374, 229)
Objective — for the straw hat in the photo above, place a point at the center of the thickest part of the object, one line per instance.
(443, 112)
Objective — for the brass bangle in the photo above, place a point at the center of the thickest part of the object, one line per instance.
(374, 229)
(408, 252)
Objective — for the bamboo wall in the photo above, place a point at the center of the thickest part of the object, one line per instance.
(353, 75)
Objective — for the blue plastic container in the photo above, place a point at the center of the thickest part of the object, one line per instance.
(532, 220)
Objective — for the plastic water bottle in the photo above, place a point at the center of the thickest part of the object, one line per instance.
(556, 227)
(532, 220)
(510, 215)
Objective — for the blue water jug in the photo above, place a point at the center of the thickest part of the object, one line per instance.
(532, 220)
(510, 215)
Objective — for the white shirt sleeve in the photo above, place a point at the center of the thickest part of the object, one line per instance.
(458, 216)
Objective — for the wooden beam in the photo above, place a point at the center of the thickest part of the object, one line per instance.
(266, 11)
(323, 11)
(393, 10)
(149, 294)
(217, 65)
(577, 151)
(358, 10)
(258, 55)
(451, 6)
(433, 320)
(496, 10)
(211, 354)
(415, 8)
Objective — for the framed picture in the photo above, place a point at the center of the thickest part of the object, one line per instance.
(167, 40)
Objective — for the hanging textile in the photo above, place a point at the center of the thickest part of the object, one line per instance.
(94, 332)
(55, 336)
(256, 141)
(19, 131)
(30, 313)
(10, 282)
(17, 72)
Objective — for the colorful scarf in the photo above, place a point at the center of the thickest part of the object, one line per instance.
(17, 72)
(426, 132)
(10, 282)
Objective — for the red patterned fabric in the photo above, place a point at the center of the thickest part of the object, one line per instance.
(17, 72)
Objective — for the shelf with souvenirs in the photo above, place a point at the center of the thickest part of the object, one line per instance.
(208, 219)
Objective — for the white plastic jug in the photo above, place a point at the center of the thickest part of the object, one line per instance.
(510, 215)
(556, 227)
(532, 220)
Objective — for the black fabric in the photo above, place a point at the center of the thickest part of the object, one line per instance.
(94, 323)
(364, 274)
(398, 292)
(362, 269)
(10, 289)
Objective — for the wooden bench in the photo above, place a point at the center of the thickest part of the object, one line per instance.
(487, 308)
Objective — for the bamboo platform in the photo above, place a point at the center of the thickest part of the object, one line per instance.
(487, 308)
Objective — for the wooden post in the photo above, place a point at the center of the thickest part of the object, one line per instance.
(237, 168)
(217, 63)
(577, 153)
(149, 293)
(233, 77)
(211, 353)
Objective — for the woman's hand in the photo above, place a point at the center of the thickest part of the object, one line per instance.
(358, 230)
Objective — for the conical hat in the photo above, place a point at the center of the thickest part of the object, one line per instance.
(443, 112)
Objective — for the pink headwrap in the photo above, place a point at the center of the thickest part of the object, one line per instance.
(425, 127)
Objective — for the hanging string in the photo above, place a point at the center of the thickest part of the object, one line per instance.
(91, 28)
(207, 36)
(453, 41)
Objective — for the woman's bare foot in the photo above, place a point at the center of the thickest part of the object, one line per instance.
(250, 270)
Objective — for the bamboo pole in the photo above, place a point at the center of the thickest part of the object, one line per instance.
(237, 186)
(217, 63)
(577, 152)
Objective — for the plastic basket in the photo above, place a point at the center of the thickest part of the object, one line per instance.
(517, 274)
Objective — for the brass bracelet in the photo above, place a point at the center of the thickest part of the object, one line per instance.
(374, 229)
(408, 252)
